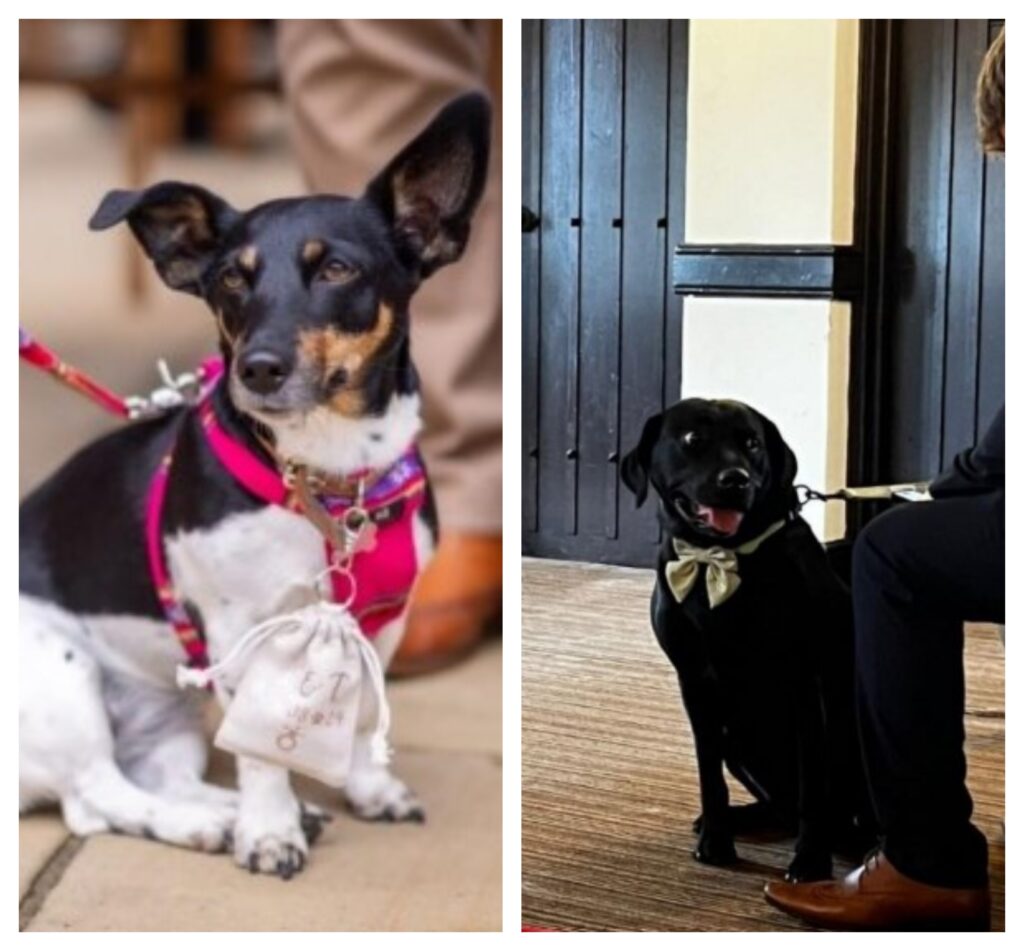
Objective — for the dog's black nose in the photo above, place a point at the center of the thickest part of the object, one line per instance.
(263, 371)
(734, 478)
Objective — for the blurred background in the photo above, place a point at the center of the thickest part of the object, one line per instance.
(118, 104)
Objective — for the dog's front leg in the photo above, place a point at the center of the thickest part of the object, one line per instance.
(375, 794)
(715, 844)
(812, 859)
(269, 835)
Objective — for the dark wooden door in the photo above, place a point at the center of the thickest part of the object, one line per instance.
(945, 369)
(604, 119)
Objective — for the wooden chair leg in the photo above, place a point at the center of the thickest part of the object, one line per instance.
(494, 66)
(230, 46)
(154, 51)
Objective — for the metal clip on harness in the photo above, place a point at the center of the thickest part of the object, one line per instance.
(182, 390)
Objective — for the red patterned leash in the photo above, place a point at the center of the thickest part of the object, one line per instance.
(175, 391)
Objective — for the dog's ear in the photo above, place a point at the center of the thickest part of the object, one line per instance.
(430, 189)
(636, 466)
(782, 462)
(179, 226)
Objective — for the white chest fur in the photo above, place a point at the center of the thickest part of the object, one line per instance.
(335, 443)
(242, 570)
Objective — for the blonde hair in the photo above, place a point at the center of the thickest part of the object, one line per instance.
(990, 97)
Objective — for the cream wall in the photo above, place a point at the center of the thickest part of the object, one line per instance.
(770, 160)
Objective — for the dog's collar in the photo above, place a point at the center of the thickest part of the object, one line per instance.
(333, 505)
(722, 576)
(295, 473)
(262, 480)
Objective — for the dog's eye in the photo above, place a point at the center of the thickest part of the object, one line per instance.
(691, 439)
(753, 444)
(336, 272)
(232, 281)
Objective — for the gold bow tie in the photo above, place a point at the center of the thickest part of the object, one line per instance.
(722, 574)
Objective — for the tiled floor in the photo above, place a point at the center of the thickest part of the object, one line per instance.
(444, 875)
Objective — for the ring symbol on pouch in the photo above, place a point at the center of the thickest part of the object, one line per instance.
(288, 738)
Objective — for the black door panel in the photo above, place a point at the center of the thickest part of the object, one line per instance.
(946, 372)
(604, 107)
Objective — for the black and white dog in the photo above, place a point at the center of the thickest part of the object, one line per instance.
(759, 630)
(311, 297)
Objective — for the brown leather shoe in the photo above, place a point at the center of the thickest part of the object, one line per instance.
(456, 601)
(876, 897)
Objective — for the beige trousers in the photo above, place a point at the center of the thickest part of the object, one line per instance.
(358, 91)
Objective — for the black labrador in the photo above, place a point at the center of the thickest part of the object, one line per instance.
(759, 629)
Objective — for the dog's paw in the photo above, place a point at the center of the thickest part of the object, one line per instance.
(312, 819)
(751, 818)
(377, 796)
(810, 865)
(215, 827)
(715, 847)
(274, 848)
(199, 826)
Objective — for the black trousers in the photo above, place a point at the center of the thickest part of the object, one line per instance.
(919, 571)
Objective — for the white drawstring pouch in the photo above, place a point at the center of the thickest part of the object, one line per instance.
(310, 685)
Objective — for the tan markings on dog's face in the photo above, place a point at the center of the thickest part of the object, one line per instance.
(312, 251)
(348, 403)
(219, 313)
(248, 258)
(327, 351)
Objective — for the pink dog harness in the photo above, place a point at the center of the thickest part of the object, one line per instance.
(378, 579)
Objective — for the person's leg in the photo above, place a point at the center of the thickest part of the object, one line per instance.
(921, 570)
(358, 91)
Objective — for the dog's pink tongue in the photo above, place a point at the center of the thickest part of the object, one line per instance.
(726, 521)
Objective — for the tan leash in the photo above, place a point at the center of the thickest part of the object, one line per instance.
(865, 493)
